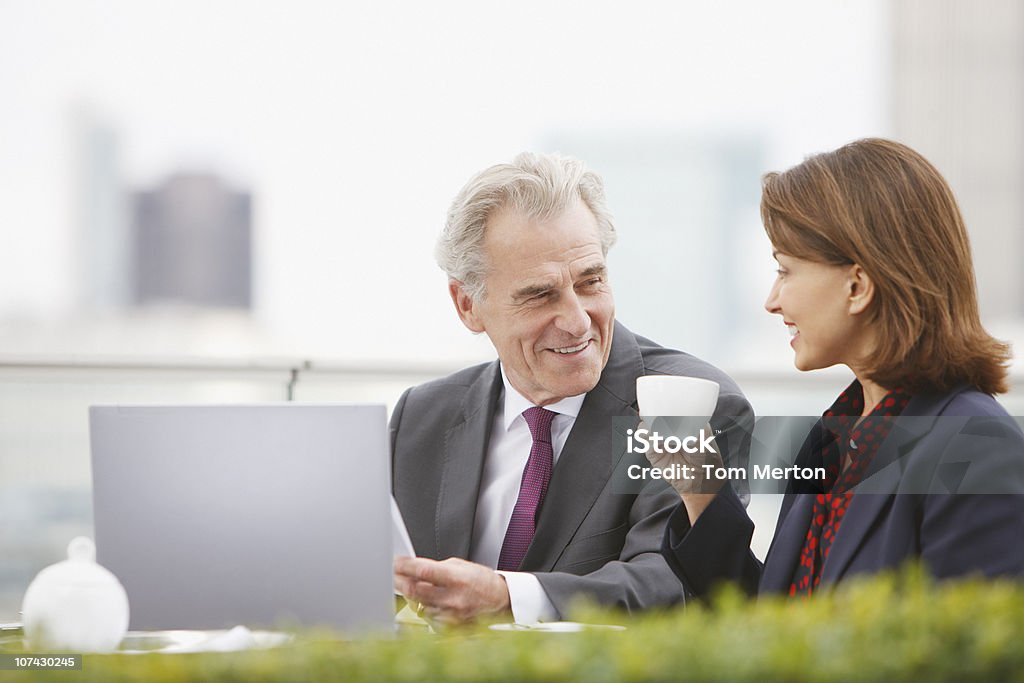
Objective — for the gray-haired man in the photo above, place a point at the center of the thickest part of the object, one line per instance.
(487, 480)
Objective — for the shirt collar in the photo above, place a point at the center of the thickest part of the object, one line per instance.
(850, 403)
(515, 403)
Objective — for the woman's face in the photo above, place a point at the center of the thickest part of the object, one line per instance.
(815, 301)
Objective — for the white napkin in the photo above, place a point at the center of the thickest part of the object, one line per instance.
(238, 638)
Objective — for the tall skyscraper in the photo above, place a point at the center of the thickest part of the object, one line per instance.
(958, 97)
(685, 205)
(102, 244)
(193, 243)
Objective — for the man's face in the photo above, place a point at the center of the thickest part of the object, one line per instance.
(548, 308)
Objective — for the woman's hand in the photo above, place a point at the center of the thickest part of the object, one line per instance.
(691, 474)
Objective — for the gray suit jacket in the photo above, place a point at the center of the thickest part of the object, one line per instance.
(590, 541)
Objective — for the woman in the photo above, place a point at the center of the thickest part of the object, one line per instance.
(875, 273)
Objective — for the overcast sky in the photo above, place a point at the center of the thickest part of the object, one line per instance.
(354, 124)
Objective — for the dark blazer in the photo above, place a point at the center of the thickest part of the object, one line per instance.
(976, 449)
(590, 540)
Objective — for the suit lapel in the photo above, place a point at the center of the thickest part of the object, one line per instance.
(865, 508)
(794, 518)
(585, 465)
(465, 448)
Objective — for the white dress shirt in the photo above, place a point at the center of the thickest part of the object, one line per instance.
(507, 453)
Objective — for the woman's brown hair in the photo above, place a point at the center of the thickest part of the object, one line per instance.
(883, 206)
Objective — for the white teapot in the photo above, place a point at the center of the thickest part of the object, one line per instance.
(75, 605)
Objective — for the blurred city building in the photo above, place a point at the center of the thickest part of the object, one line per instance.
(102, 241)
(184, 243)
(957, 96)
(193, 243)
(685, 207)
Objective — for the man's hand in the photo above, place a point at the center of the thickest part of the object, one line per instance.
(453, 591)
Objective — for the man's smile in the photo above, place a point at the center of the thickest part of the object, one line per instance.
(571, 350)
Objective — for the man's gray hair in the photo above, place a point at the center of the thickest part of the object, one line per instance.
(538, 186)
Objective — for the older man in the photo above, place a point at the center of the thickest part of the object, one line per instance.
(503, 471)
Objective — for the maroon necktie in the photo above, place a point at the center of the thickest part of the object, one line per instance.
(531, 490)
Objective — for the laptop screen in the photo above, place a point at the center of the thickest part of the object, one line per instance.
(262, 515)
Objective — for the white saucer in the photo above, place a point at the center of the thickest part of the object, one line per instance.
(556, 627)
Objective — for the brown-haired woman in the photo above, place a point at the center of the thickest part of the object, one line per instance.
(874, 273)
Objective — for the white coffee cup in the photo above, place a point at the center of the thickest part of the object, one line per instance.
(670, 398)
(664, 395)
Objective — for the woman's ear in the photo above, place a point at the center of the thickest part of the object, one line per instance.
(861, 289)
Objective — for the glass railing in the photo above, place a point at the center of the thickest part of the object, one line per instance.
(45, 479)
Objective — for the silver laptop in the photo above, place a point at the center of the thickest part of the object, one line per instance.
(262, 515)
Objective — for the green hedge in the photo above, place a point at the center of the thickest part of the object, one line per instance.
(883, 629)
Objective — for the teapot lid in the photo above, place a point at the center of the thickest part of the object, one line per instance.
(80, 569)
